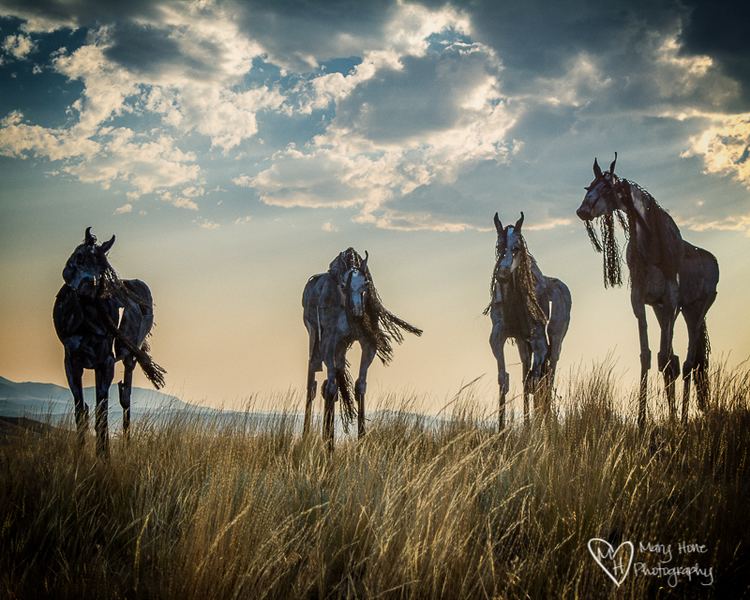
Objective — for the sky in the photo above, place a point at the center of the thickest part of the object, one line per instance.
(235, 148)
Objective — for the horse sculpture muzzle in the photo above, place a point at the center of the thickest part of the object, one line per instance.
(82, 283)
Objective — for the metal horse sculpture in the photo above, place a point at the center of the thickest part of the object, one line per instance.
(530, 308)
(666, 272)
(340, 307)
(86, 316)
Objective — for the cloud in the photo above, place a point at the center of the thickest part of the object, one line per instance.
(206, 224)
(724, 147)
(208, 100)
(18, 46)
(124, 209)
(145, 165)
(178, 201)
(401, 122)
(22, 140)
(721, 32)
(329, 227)
(243, 220)
(430, 96)
(737, 223)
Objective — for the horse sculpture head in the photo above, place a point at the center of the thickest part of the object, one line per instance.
(601, 197)
(603, 202)
(356, 288)
(87, 268)
(509, 248)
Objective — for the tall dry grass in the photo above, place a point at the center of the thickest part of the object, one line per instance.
(416, 509)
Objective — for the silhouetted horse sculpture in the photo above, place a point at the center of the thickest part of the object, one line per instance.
(86, 316)
(340, 307)
(666, 272)
(531, 308)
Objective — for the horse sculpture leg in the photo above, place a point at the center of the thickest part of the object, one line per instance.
(369, 351)
(540, 353)
(74, 374)
(668, 363)
(313, 366)
(695, 321)
(497, 342)
(310, 397)
(524, 351)
(330, 390)
(639, 310)
(125, 388)
(104, 375)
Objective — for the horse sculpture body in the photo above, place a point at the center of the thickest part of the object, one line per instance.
(530, 308)
(340, 307)
(87, 320)
(666, 272)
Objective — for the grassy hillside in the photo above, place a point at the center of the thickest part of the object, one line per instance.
(451, 509)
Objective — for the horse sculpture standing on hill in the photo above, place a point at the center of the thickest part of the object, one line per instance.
(340, 307)
(666, 272)
(530, 308)
(86, 317)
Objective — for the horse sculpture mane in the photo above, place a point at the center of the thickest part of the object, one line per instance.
(115, 288)
(525, 285)
(661, 244)
(380, 323)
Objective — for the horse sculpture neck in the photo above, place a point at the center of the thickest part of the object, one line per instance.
(517, 294)
(655, 239)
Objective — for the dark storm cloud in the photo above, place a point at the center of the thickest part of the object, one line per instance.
(423, 97)
(83, 13)
(721, 30)
(538, 38)
(533, 38)
(291, 31)
(626, 41)
(150, 50)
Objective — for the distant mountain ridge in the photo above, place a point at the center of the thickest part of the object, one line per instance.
(41, 400)
(53, 404)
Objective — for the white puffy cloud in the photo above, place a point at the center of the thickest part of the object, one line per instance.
(23, 140)
(209, 100)
(145, 165)
(737, 223)
(401, 122)
(19, 46)
(206, 224)
(124, 209)
(724, 147)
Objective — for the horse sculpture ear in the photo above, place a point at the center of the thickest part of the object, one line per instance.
(107, 245)
(498, 224)
(363, 266)
(612, 166)
(519, 223)
(597, 169)
(89, 238)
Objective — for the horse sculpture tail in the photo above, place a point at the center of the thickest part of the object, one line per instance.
(700, 371)
(346, 387)
(153, 371)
